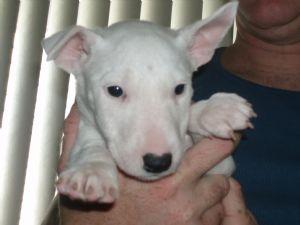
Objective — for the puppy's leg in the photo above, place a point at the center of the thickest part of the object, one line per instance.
(220, 116)
(91, 174)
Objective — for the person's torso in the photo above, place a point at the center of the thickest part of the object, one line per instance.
(268, 157)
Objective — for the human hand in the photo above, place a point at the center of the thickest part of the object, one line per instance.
(235, 210)
(184, 198)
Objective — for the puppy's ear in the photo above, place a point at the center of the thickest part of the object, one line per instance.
(71, 48)
(203, 37)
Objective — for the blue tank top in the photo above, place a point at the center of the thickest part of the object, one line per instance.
(268, 157)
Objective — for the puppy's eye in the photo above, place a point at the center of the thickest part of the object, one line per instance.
(115, 91)
(179, 89)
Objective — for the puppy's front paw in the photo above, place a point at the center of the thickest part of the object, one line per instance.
(225, 113)
(90, 182)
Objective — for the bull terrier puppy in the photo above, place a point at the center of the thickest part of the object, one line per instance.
(134, 95)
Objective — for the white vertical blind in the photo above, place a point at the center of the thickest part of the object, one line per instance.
(19, 107)
(185, 12)
(158, 11)
(8, 17)
(48, 122)
(209, 6)
(234, 32)
(124, 10)
(93, 13)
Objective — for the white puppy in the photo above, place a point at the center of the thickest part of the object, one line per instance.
(134, 96)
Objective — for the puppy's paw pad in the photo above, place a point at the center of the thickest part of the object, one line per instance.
(88, 184)
(226, 113)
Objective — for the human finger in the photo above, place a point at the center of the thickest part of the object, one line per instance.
(213, 215)
(203, 156)
(210, 190)
(236, 212)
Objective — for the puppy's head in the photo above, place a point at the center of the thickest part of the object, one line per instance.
(134, 79)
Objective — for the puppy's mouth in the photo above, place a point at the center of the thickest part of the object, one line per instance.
(147, 176)
(154, 176)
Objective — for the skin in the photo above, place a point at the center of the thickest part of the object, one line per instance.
(184, 198)
(267, 47)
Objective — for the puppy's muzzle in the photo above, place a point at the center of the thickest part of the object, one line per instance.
(157, 164)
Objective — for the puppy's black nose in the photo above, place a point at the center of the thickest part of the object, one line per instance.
(157, 164)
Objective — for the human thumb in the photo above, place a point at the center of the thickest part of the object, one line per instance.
(236, 212)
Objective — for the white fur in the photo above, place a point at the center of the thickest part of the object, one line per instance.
(147, 61)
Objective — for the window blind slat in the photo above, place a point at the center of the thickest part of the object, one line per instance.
(158, 11)
(48, 122)
(19, 106)
(124, 10)
(8, 19)
(93, 13)
(209, 6)
(185, 12)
